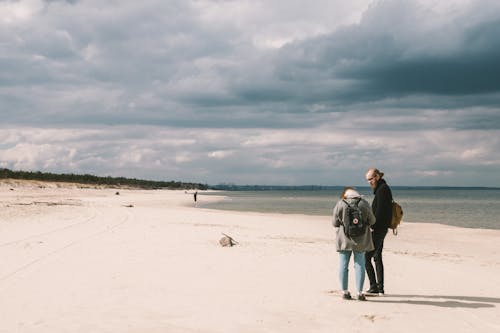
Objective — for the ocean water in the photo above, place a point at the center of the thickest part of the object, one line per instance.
(464, 207)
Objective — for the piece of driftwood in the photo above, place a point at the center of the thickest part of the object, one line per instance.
(227, 241)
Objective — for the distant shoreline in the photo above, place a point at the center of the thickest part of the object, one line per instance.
(93, 180)
(23, 183)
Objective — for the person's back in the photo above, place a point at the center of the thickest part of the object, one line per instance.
(357, 245)
(382, 209)
(382, 205)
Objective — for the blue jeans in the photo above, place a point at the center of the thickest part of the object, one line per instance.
(359, 268)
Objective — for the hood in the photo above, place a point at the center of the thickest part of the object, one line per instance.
(351, 194)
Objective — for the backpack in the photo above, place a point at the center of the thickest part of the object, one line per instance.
(355, 224)
(397, 216)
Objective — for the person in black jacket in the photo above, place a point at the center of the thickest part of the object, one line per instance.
(382, 209)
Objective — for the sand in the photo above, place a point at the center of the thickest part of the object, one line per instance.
(92, 260)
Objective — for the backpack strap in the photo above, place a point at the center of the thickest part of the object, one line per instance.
(357, 201)
(349, 206)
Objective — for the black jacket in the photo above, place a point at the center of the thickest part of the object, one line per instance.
(382, 206)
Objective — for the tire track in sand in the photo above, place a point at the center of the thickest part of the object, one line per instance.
(9, 278)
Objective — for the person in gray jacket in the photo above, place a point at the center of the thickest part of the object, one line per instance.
(355, 245)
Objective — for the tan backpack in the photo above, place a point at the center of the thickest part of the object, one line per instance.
(397, 216)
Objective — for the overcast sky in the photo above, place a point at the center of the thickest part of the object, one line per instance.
(282, 92)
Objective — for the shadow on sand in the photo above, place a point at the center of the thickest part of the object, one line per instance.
(447, 301)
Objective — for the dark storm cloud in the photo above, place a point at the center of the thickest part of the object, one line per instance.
(158, 63)
(472, 69)
(395, 56)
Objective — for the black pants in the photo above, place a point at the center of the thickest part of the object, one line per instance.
(376, 281)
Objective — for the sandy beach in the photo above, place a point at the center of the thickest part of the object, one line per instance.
(94, 260)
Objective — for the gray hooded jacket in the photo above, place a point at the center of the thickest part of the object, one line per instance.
(362, 243)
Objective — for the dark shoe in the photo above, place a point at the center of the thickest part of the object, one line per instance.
(372, 291)
(381, 293)
(346, 296)
(361, 297)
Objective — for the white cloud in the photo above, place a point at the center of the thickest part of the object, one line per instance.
(321, 155)
(434, 173)
(220, 154)
(271, 24)
(30, 156)
(12, 12)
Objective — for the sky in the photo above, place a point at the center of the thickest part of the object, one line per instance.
(271, 92)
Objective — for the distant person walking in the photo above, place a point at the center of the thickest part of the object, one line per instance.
(357, 245)
(195, 197)
(382, 209)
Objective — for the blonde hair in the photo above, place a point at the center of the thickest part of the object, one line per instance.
(376, 171)
(342, 196)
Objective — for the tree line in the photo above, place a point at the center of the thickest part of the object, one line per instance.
(96, 180)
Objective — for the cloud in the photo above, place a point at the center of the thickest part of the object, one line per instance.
(180, 61)
(326, 154)
(252, 91)
(399, 49)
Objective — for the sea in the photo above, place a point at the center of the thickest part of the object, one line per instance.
(463, 207)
